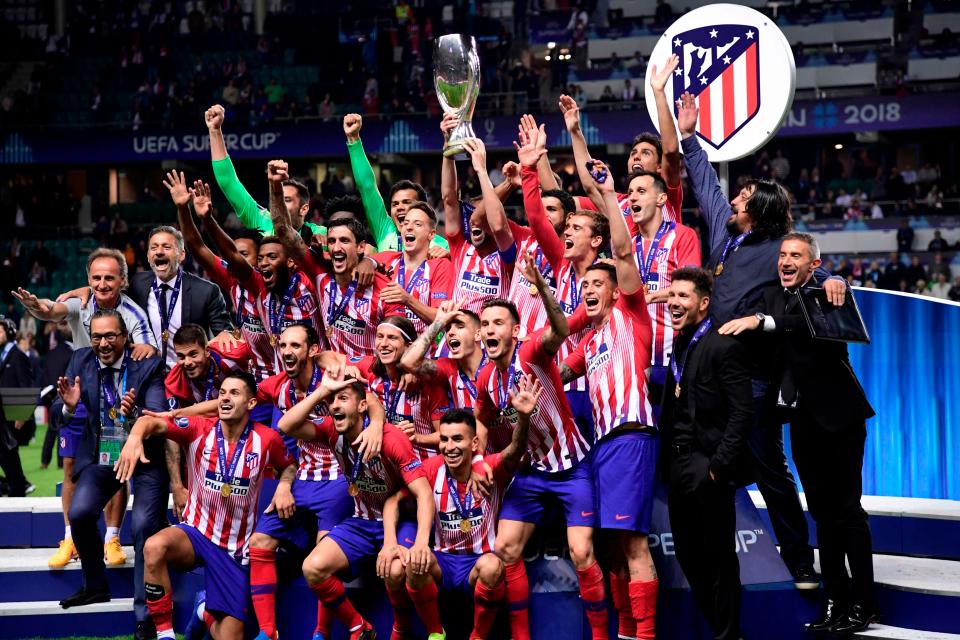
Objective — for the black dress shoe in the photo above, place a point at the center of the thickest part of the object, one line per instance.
(833, 614)
(806, 578)
(84, 597)
(857, 619)
(146, 630)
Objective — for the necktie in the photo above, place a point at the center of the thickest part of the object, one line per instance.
(164, 288)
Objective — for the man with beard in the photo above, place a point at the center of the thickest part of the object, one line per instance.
(745, 237)
(106, 278)
(648, 152)
(457, 373)
(614, 356)
(559, 464)
(482, 271)
(419, 284)
(114, 388)
(229, 457)
(350, 311)
(585, 235)
(201, 367)
(385, 228)
(706, 420)
(296, 196)
(361, 537)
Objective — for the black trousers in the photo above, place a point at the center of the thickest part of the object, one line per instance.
(776, 483)
(96, 484)
(830, 466)
(13, 472)
(703, 521)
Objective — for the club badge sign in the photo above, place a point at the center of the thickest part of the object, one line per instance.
(739, 67)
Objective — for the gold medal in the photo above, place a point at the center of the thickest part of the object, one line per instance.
(465, 526)
(273, 340)
(353, 490)
(718, 270)
(225, 490)
(533, 289)
(646, 290)
(165, 335)
(237, 334)
(113, 413)
(676, 391)
(329, 331)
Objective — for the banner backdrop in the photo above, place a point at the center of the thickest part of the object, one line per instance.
(422, 135)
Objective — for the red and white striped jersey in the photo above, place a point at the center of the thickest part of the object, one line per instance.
(483, 513)
(680, 247)
(421, 406)
(671, 210)
(227, 522)
(479, 278)
(183, 392)
(432, 286)
(530, 305)
(395, 467)
(316, 461)
(244, 297)
(555, 441)
(614, 358)
(455, 383)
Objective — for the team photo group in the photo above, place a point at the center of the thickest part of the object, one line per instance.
(427, 388)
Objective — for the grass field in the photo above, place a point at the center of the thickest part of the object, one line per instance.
(44, 479)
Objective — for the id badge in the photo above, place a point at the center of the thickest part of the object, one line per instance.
(112, 440)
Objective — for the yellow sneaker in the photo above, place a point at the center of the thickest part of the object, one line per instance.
(113, 553)
(66, 552)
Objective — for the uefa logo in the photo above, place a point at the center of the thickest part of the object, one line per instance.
(740, 69)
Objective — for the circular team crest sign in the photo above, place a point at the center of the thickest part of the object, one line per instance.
(740, 69)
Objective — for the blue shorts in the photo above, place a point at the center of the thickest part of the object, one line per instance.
(582, 408)
(71, 432)
(573, 488)
(361, 540)
(226, 581)
(624, 471)
(262, 413)
(327, 501)
(455, 570)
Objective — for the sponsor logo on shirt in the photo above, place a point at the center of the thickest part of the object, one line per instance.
(450, 521)
(250, 459)
(479, 283)
(599, 359)
(214, 482)
(307, 304)
(183, 423)
(348, 324)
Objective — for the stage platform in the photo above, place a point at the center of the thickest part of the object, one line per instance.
(917, 568)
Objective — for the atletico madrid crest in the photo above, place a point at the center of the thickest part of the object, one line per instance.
(720, 66)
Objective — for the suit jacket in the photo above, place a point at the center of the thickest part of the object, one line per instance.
(201, 301)
(15, 371)
(145, 376)
(827, 388)
(717, 394)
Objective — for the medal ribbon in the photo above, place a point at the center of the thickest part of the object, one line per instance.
(314, 380)
(356, 462)
(227, 472)
(732, 244)
(166, 314)
(678, 368)
(467, 382)
(276, 315)
(241, 306)
(415, 280)
(646, 264)
(503, 391)
(391, 399)
(111, 397)
(462, 506)
(337, 308)
(214, 366)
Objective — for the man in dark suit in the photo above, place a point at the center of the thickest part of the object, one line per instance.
(115, 389)
(172, 297)
(707, 415)
(820, 396)
(15, 371)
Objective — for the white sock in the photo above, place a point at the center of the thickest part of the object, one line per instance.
(166, 634)
(66, 533)
(112, 532)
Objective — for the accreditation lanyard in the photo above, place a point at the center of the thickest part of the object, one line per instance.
(678, 367)
(732, 244)
(166, 314)
(112, 396)
(225, 471)
(646, 264)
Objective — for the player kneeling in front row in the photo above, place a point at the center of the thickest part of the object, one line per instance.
(227, 458)
(465, 524)
(359, 537)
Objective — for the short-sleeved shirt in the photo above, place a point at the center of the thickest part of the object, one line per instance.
(316, 461)
(246, 314)
(381, 477)
(529, 304)
(431, 283)
(183, 392)
(614, 358)
(227, 522)
(479, 278)
(460, 388)
(555, 442)
(138, 326)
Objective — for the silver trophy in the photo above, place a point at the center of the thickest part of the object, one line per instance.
(456, 78)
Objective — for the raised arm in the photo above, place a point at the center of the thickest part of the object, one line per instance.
(225, 245)
(414, 358)
(571, 119)
(248, 211)
(493, 207)
(558, 328)
(544, 171)
(628, 275)
(668, 130)
(532, 147)
(524, 400)
(449, 191)
(39, 308)
(701, 175)
(381, 225)
(182, 195)
(282, 227)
